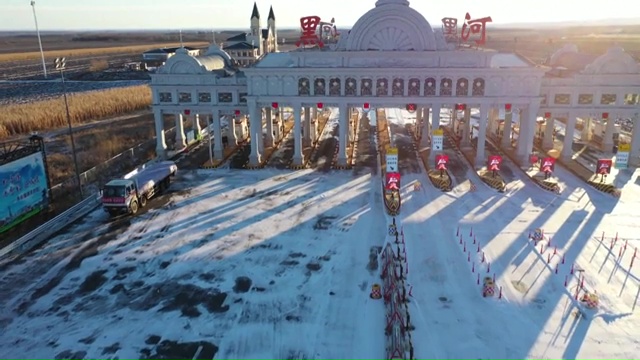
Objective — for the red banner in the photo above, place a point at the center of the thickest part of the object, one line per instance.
(548, 164)
(494, 162)
(393, 181)
(604, 166)
(442, 161)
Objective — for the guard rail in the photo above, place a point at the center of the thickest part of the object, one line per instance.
(46, 230)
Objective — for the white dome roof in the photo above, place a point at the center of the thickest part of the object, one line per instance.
(392, 25)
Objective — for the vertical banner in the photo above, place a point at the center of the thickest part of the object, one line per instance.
(622, 156)
(437, 140)
(604, 166)
(392, 160)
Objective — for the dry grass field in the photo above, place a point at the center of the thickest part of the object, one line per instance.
(88, 52)
(99, 144)
(50, 114)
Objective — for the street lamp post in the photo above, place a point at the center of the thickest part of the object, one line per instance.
(60, 65)
(35, 19)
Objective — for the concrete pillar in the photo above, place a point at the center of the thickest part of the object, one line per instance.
(585, 135)
(422, 121)
(607, 140)
(547, 142)
(482, 134)
(342, 136)
(523, 134)
(307, 126)
(570, 128)
(161, 143)
(218, 152)
(261, 129)
(269, 120)
(435, 124)
(197, 129)
(466, 127)
(506, 133)
(419, 117)
(531, 120)
(181, 138)
(298, 156)
(256, 133)
(233, 135)
(278, 124)
(635, 141)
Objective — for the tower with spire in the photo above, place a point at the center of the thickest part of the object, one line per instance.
(271, 26)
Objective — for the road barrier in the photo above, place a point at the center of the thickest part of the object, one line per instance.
(398, 321)
(43, 232)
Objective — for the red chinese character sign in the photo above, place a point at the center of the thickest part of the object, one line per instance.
(441, 162)
(309, 31)
(450, 28)
(604, 166)
(494, 162)
(393, 181)
(548, 164)
(475, 27)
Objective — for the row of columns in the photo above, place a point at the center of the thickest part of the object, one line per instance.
(305, 131)
(570, 128)
(525, 139)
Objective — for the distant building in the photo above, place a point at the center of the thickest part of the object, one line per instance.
(246, 48)
(157, 57)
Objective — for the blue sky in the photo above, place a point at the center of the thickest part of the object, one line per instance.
(234, 14)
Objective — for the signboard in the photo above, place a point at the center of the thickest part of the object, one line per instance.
(24, 190)
(441, 162)
(392, 160)
(314, 31)
(604, 166)
(437, 140)
(622, 156)
(476, 27)
(494, 162)
(548, 164)
(392, 181)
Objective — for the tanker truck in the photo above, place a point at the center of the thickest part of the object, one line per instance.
(129, 194)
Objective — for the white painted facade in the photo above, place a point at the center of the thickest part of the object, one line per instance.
(392, 57)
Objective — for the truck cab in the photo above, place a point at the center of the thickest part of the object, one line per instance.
(118, 195)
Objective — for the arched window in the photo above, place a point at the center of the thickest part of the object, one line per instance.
(303, 86)
(414, 87)
(382, 87)
(334, 87)
(430, 87)
(319, 88)
(462, 87)
(365, 88)
(478, 87)
(350, 87)
(445, 87)
(397, 89)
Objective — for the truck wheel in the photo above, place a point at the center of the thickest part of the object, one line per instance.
(134, 207)
(143, 201)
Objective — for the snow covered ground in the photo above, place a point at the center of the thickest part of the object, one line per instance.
(274, 264)
(536, 317)
(266, 264)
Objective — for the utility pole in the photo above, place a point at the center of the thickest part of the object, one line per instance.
(60, 65)
(35, 19)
